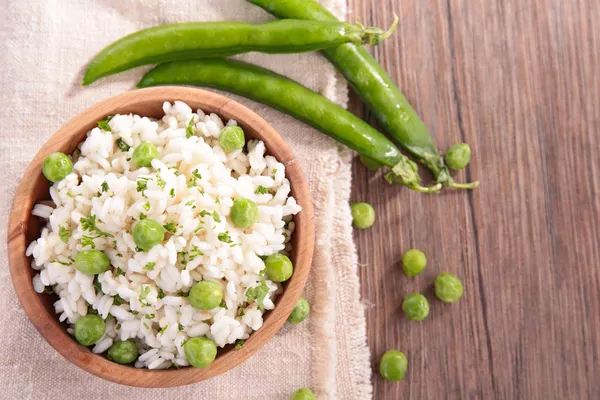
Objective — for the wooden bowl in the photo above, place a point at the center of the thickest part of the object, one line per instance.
(23, 228)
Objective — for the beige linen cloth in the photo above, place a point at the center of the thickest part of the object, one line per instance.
(45, 45)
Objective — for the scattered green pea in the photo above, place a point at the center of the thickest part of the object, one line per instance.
(231, 139)
(244, 212)
(369, 163)
(458, 156)
(278, 267)
(363, 215)
(415, 307)
(91, 262)
(393, 365)
(144, 153)
(123, 352)
(205, 295)
(448, 287)
(300, 311)
(57, 166)
(89, 329)
(303, 394)
(200, 352)
(413, 262)
(148, 233)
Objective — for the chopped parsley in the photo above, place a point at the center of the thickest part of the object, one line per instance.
(215, 215)
(239, 344)
(258, 293)
(138, 249)
(118, 300)
(189, 130)
(64, 234)
(223, 305)
(190, 203)
(198, 228)
(182, 257)
(218, 200)
(241, 312)
(48, 290)
(142, 216)
(91, 310)
(261, 190)
(161, 293)
(163, 329)
(224, 237)
(104, 124)
(181, 293)
(134, 312)
(149, 316)
(150, 266)
(274, 171)
(104, 187)
(146, 326)
(194, 178)
(147, 206)
(195, 252)
(180, 327)
(88, 241)
(144, 292)
(119, 255)
(142, 184)
(122, 145)
(172, 192)
(160, 181)
(170, 227)
(89, 224)
(71, 195)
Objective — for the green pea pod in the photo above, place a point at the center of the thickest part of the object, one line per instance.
(298, 101)
(193, 40)
(375, 87)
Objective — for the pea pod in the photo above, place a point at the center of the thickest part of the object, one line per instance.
(296, 100)
(375, 87)
(192, 40)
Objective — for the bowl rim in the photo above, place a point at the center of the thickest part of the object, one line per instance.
(55, 333)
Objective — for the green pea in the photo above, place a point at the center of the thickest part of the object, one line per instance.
(89, 329)
(363, 215)
(415, 307)
(413, 262)
(369, 163)
(148, 233)
(278, 267)
(303, 394)
(57, 166)
(144, 153)
(300, 311)
(205, 295)
(91, 262)
(244, 212)
(200, 352)
(459, 156)
(448, 287)
(393, 365)
(123, 352)
(231, 139)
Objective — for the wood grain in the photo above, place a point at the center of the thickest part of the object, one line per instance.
(519, 81)
(23, 228)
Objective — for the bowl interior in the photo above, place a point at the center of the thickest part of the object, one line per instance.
(23, 228)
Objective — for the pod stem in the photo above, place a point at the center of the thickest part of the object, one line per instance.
(375, 36)
(465, 186)
(406, 173)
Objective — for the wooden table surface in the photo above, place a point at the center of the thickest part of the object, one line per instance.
(520, 82)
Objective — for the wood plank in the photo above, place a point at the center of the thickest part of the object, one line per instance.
(518, 81)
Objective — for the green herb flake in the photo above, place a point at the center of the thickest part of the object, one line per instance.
(261, 190)
(142, 216)
(161, 293)
(181, 293)
(163, 329)
(117, 327)
(119, 255)
(142, 184)
(147, 206)
(241, 312)
(104, 124)
(274, 171)
(149, 316)
(239, 344)
(180, 327)
(218, 200)
(118, 300)
(104, 187)
(172, 192)
(190, 203)
(189, 130)
(258, 293)
(170, 227)
(124, 147)
(160, 181)
(150, 266)
(223, 305)
(146, 326)
(224, 237)
(48, 290)
(195, 252)
(88, 241)
(139, 249)
(71, 195)
(144, 292)
(216, 216)
(134, 312)
(64, 234)
(89, 224)
(182, 257)
(198, 228)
